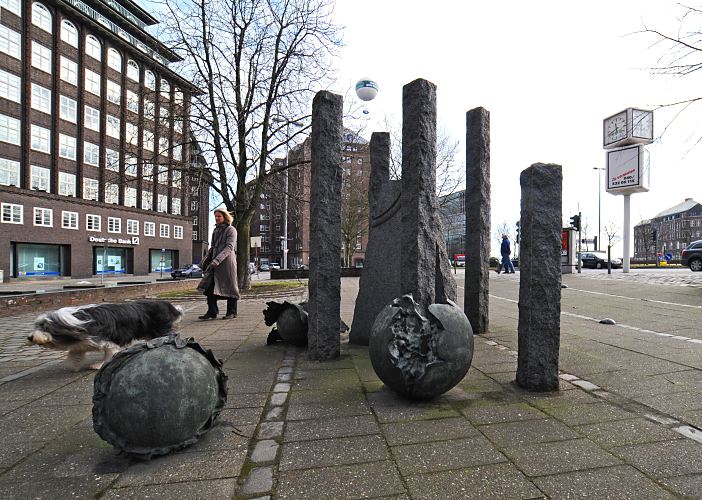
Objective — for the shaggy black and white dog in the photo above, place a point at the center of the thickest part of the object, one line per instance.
(103, 327)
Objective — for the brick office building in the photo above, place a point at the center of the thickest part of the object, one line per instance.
(268, 220)
(674, 229)
(94, 138)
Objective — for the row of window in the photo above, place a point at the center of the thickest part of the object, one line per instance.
(42, 18)
(13, 213)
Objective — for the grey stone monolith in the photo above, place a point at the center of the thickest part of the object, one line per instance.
(477, 206)
(425, 270)
(325, 228)
(539, 328)
(380, 281)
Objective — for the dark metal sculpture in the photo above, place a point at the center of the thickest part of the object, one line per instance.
(291, 322)
(159, 396)
(421, 357)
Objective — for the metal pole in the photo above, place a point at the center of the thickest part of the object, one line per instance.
(580, 240)
(627, 231)
(285, 211)
(599, 207)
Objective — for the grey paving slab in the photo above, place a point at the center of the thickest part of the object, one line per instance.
(270, 430)
(688, 486)
(409, 410)
(332, 452)
(41, 423)
(241, 416)
(368, 480)
(264, 451)
(224, 436)
(561, 398)
(11, 453)
(199, 490)
(259, 480)
(558, 457)
(580, 414)
(626, 432)
(444, 455)
(486, 481)
(52, 488)
(310, 411)
(527, 432)
(428, 430)
(502, 413)
(664, 458)
(675, 403)
(341, 394)
(246, 400)
(358, 425)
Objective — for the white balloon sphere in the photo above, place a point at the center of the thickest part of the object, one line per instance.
(366, 89)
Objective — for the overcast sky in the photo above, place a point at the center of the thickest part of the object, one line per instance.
(548, 72)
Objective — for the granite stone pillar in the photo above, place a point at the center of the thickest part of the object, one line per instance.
(540, 277)
(380, 281)
(325, 227)
(477, 206)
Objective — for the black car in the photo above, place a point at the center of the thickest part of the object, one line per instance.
(598, 260)
(692, 256)
(193, 271)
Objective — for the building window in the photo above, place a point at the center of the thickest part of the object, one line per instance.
(68, 109)
(176, 176)
(130, 165)
(165, 89)
(10, 86)
(150, 80)
(164, 230)
(114, 225)
(40, 178)
(132, 102)
(112, 160)
(163, 145)
(148, 140)
(149, 109)
(92, 82)
(111, 193)
(69, 71)
(194, 235)
(9, 130)
(113, 126)
(130, 197)
(93, 48)
(177, 153)
(69, 33)
(149, 229)
(43, 217)
(263, 228)
(178, 232)
(67, 184)
(163, 175)
(41, 17)
(114, 92)
(67, 147)
(12, 6)
(193, 205)
(133, 70)
(147, 200)
(178, 126)
(10, 42)
(92, 119)
(175, 206)
(41, 98)
(9, 172)
(69, 220)
(90, 188)
(195, 219)
(114, 59)
(91, 154)
(41, 57)
(162, 203)
(132, 134)
(41, 138)
(93, 223)
(12, 214)
(133, 227)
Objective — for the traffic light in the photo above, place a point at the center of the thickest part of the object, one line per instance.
(654, 234)
(575, 222)
(517, 240)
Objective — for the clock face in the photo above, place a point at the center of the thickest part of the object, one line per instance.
(615, 128)
(642, 123)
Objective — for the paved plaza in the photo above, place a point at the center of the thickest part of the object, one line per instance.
(625, 424)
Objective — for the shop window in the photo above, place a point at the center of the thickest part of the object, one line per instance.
(10, 86)
(92, 82)
(147, 200)
(9, 172)
(67, 147)
(114, 225)
(67, 184)
(10, 42)
(41, 139)
(68, 109)
(90, 189)
(114, 59)
(93, 47)
(69, 71)
(69, 220)
(9, 130)
(111, 260)
(12, 213)
(43, 217)
(69, 33)
(40, 178)
(91, 153)
(93, 223)
(162, 261)
(164, 230)
(41, 17)
(41, 57)
(178, 232)
(149, 229)
(38, 259)
(133, 227)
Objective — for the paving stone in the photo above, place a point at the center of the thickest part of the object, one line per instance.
(559, 457)
(611, 482)
(270, 430)
(224, 436)
(627, 432)
(368, 480)
(308, 411)
(279, 399)
(487, 481)
(527, 432)
(275, 413)
(444, 455)
(428, 430)
(216, 488)
(561, 398)
(413, 411)
(52, 488)
(281, 387)
(502, 413)
(265, 451)
(260, 480)
(358, 425)
(11, 453)
(249, 400)
(664, 458)
(677, 402)
(241, 416)
(688, 486)
(588, 413)
(41, 423)
(331, 452)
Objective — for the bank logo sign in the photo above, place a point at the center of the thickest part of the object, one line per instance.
(134, 240)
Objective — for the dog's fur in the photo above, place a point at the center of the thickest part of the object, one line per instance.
(104, 327)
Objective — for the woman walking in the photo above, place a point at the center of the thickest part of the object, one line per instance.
(220, 279)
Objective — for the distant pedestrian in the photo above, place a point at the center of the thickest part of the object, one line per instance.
(220, 278)
(506, 251)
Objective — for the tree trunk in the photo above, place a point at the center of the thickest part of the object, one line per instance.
(243, 252)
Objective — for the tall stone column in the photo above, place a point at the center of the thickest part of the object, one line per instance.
(477, 206)
(540, 277)
(325, 228)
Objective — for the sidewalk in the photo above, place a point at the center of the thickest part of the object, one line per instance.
(294, 428)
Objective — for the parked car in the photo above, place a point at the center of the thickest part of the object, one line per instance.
(692, 256)
(275, 265)
(252, 268)
(302, 267)
(193, 271)
(264, 268)
(598, 260)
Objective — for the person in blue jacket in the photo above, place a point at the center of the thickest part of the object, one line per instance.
(506, 251)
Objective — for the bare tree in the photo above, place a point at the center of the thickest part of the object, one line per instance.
(258, 63)
(500, 229)
(611, 231)
(354, 211)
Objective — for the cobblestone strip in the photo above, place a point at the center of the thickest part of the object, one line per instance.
(261, 468)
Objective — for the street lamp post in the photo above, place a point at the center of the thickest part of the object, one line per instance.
(599, 205)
